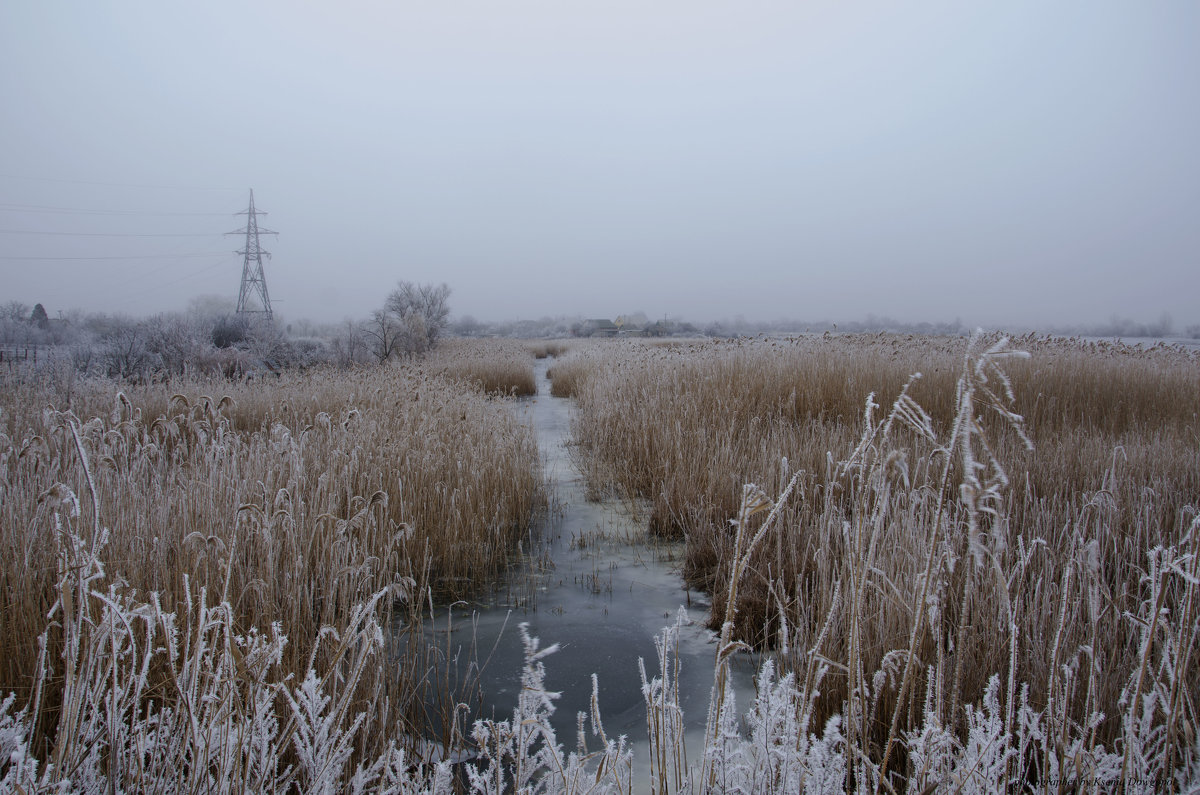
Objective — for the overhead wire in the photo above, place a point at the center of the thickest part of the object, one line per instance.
(110, 234)
(166, 262)
(119, 257)
(131, 297)
(14, 207)
(115, 184)
(42, 208)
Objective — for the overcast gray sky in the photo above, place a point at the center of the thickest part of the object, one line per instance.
(1007, 162)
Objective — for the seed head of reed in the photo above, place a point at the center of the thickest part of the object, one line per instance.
(685, 428)
(292, 500)
(568, 373)
(496, 367)
(542, 349)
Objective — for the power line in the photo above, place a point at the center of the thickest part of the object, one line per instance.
(115, 184)
(158, 264)
(136, 256)
(136, 296)
(110, 234)
(192, 274)
(141, 277)
(41, 208)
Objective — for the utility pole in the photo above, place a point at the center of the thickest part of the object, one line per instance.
(253, 279)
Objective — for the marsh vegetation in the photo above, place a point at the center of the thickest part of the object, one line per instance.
(980, 579)
(945, 523)
(290, 502)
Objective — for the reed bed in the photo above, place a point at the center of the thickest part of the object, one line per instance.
(497, 367)
(543, 349)
(912, 581)
(568, 373)
(1038, 582)
(289, 500)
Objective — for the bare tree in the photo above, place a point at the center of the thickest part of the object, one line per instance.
(14, 323)
(350, 345)
(176, 341)
(383, 332)
(125, 351)
(423, 311)
(468, 326)
(15, 311)
(19, 326)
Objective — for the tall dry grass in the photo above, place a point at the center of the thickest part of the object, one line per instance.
(568, 373)
(291, 499)
(542, 349)
(1113, 474)
(497, 367)
(926, 575)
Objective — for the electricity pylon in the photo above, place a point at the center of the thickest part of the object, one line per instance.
(253, 278)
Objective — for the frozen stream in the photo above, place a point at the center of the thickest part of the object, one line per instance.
(597, 586)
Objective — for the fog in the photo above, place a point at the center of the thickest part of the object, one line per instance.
(1014, 163)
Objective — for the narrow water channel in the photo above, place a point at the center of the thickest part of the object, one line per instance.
(593, 582)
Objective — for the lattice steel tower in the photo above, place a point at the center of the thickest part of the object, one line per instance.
(254, 281)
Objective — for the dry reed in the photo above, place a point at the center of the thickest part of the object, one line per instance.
(568, 373)
(1113, 474)
(293, 499)
(898, 577)
(542, 349)
(497, 367)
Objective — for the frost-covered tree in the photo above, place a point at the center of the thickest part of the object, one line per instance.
(126, 352)
(467, 326)
(177, 341)
(228, 331)
(382, 332)
(14, 310)
(423, 311)
(15, 328)
(349, 344)
(410, 322)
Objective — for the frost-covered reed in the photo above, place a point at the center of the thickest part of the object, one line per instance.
(939, 551)
(933, 644)
(289, 499)
(542, 349)
(498, 367)
(568, 373)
